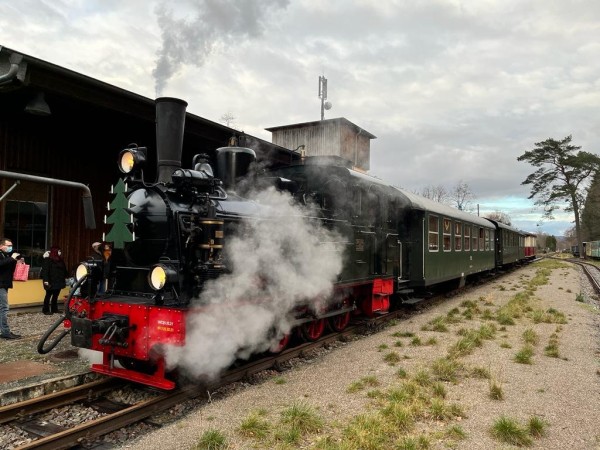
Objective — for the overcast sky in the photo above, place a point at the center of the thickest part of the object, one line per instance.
(454, 90)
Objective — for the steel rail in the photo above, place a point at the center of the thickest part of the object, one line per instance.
(94, 429)
(587, 269)
(46, 402)
(88, 431)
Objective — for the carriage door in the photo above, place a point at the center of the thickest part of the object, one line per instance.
(365, 252)
(393, 255)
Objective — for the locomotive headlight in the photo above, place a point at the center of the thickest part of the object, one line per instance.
(84, 270)
(132, 159)
(160, 275)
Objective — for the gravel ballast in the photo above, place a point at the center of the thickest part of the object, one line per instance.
(561, 390)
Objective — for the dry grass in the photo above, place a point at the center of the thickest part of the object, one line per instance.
(433, 399)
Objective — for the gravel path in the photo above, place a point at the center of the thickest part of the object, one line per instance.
(562, 391)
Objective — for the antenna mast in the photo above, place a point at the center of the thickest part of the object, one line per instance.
(323, 96)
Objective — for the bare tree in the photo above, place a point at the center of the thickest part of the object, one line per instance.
(228, 119)
(499, 216)
(570, 237)
(541, 240)
(461, 196)
(436, 193)
(562, 177)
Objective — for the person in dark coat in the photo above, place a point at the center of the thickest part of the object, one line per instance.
(102, 256)
(8, 262)
(54, 272)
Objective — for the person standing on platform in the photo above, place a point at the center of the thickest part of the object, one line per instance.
(8, 262)
(54, 272)
(96, 246)
(103, 254)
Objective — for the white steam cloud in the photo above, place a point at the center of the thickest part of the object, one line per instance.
(278, 264)
(211, 23)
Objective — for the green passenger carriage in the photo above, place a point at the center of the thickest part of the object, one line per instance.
(509, 246)
(592, 249)
(441, 244)
(392, 233)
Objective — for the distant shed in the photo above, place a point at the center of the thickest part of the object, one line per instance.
(331, 137)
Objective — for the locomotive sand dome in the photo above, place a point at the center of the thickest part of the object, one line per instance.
(233, 163)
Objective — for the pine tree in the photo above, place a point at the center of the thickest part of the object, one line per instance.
(590, 217)
(561, 178)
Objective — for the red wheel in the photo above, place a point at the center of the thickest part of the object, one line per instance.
(282, 344)
(339, 322)
(311, 331)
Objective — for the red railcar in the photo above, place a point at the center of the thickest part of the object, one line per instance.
(530, 245)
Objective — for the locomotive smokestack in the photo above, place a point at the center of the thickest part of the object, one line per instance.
(170, 125)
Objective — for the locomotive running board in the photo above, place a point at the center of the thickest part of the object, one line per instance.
(412, 301)
(137, 377)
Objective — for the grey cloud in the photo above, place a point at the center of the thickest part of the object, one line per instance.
(452, 90)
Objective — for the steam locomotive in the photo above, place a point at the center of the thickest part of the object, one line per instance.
(209, 265)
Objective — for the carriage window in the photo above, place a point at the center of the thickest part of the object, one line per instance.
(447, 235)
(474, 246)
(467, 238)
(487, 239)
(457, 236)
(481, 240)
(434, 231)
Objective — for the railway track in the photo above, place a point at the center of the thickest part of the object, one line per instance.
(592, 272)
(29, 417)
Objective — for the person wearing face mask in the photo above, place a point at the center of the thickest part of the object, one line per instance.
(54, 272)
(8, 262)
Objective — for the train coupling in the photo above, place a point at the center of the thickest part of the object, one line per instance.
(114, 329)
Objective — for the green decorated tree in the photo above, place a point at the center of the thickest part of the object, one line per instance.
(120, 219)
